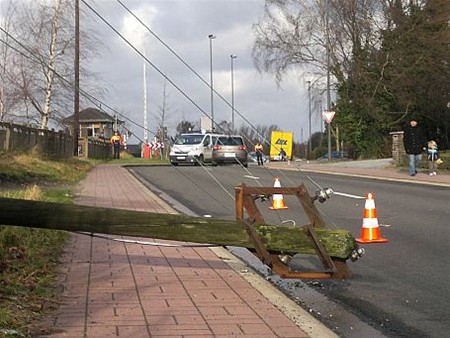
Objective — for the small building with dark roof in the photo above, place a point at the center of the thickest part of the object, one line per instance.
(94, 123)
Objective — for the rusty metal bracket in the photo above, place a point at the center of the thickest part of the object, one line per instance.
(245, 201)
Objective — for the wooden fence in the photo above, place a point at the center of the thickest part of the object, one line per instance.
(91, 147)
(16, 138)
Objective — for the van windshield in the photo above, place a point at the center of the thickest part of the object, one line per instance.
(189, 139)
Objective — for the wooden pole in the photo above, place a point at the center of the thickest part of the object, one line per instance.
(76, 99)
(276, 238)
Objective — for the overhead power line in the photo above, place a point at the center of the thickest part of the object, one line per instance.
(180, 59)
(36, 59)
(146, 59)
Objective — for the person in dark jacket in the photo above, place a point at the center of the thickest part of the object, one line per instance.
(283, 155)
(414, 143)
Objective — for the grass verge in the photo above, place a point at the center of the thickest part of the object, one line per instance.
(29, 257)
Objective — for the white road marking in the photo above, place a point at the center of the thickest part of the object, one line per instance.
(252, 177)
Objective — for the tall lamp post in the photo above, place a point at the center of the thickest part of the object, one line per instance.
(211, 37)
(327, 28)
(309, 118)
(232, 57)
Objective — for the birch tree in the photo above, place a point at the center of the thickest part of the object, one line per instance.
(42, 36)
(7, 96)
(50, 73)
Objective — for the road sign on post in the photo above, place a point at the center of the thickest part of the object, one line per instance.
(328, 117)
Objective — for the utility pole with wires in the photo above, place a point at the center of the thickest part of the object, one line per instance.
(327, 28)
(76, 99)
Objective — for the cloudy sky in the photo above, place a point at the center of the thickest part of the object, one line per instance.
(184, 25)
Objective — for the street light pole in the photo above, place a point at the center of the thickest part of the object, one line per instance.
(327, 27)
(309, 116)
(211, 37)
(232, 57)
(145, 101)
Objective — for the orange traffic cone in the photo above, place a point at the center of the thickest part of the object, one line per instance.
(277, 199)
(370, 232)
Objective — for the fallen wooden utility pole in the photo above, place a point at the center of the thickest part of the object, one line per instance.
(275, 245)
(276, 238)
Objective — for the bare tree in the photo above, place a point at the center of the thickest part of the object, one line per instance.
(185, 126)
(7, 97)
(162, 117)
(289, 36)
(41, 36)
(164, 109)
(42, 42)
(50, 73)
(297, 34)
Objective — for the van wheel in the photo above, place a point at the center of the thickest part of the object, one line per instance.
(174, 164)
(245, 165)
(201, 160)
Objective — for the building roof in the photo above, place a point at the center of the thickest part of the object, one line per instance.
(92, 115)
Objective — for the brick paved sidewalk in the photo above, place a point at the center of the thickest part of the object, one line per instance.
(117, 289)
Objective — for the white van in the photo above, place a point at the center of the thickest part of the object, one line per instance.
(193, 148)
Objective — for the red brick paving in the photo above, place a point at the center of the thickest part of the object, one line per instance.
(116, 289)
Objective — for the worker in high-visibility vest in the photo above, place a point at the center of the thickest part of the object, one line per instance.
(259, 153)
(116, 141)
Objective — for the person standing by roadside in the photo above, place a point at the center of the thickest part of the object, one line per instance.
(432, 157)
(116, 141)
(283, 155)
(259, 153)
(414, 143)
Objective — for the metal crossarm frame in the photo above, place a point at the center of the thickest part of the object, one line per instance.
(333, 267)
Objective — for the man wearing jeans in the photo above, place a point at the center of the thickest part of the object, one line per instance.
(116, 141)
(259, 153)
(414, 143)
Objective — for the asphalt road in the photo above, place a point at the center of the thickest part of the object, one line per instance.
(400, 288)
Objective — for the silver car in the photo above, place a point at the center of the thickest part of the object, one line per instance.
(229, 149)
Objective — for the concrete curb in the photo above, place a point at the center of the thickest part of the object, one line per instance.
(299, 316)
(303, 319)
